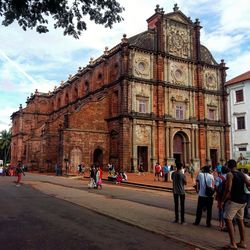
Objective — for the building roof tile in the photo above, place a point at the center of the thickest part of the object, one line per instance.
(243, 77)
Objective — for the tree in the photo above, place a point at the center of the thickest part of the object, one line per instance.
(5, 142)
(67, 15)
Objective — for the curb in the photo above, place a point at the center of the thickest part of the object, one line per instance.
(127, 183)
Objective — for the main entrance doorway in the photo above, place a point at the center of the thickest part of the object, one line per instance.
(180, 148)
(142, 155)
(98, 157)
(214, 157)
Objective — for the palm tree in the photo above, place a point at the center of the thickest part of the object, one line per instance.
(5, 141)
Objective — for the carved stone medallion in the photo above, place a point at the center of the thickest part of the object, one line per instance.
(210, 80)
(141, 67)
(178, 73)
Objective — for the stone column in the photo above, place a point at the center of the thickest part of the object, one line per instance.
(134, 146)
(153, 154)
(222, 146)
(192, 143)
(166, 142)
(170, 159)
(208, 159)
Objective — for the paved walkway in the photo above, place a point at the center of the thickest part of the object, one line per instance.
(145, 179)
(148, 179)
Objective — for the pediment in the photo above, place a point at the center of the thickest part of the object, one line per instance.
(179, 17)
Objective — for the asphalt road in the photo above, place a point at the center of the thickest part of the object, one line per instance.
(162, 199)
(33, 220)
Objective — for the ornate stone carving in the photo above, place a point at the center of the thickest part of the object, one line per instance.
(178, 41)
(178, 73)
(210, 80)
(142, 67)
(214, 139)
(143, 134)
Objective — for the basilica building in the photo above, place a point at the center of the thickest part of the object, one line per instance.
(158, 96)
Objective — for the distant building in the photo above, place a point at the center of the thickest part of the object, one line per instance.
(158, 96)
(239, 114)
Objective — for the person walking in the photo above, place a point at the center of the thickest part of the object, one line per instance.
(179, 180)
(203, 180)
(92, 182)
(19, 172)
(234, 199)
(98, 177)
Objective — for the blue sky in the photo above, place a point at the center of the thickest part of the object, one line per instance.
(30, 61)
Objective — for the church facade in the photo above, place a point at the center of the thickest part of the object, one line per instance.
(158, 96)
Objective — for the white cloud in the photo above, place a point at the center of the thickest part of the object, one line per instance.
(40, 61)
(5, 114)
(239, 65)
(219, 42)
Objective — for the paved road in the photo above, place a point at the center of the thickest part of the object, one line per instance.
(161, 199)
(33, 220)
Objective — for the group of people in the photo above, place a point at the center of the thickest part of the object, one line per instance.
(116, 176)
(17, 170)
(230, 187)
(166, 171)
(95, 177)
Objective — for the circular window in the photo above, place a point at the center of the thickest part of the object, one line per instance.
(178, 74)
(210, 80)
(141, 66)
(100, 76)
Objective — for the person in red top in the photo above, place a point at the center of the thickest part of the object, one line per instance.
(157, 171)
(98, 177)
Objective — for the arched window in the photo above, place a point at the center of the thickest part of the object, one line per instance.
(66, 99)
(75, 93)
(58, 102)
(86, 87)
(100, 76)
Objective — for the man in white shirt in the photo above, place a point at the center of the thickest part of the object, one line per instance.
(204, 178)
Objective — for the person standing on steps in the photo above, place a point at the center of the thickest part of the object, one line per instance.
(234, 199)
(157, 171)
(166, 169)
(179, 180)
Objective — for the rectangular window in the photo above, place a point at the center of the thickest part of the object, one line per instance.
(241, 122)
(142, 106)
(242, 149)
(179, 112)
(239, 95)
(211, 114)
